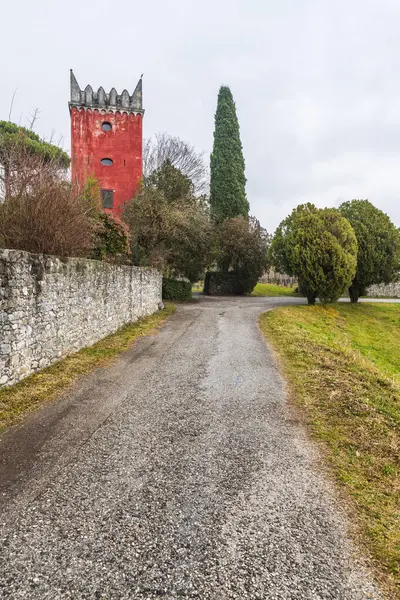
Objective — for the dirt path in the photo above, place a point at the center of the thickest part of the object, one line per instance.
(179, 472)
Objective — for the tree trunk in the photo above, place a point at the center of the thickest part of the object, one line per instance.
(354, 294)
(311, 299)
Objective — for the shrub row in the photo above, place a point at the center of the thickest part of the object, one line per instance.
(176, 289)
(218, 283)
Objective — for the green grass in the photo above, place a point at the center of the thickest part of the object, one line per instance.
(261, 289)
(30, 393)
(342, 363)
(270, 289)
(198, 286)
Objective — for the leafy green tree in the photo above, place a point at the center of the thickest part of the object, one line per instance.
(24, 157)
(171, 181)
(190, 242)
(378, 246)
(12, 136)
(168, 222)
(228, 181)
(319, 246)
(111, 240)
(241, 253)
(172, 236)
(147, 217)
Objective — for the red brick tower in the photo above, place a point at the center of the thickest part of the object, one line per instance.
(106, 141)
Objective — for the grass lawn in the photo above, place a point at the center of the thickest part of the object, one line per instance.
(198, 286)
(28, 394)
(342, 363)
(261, 289)
(270, 289)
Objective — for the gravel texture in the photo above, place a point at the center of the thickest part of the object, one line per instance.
(178, 472)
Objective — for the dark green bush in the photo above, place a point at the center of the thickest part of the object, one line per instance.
(378, 246)
(240, 257)
(217, 283)
(111, 242)
(319, 247)
(176, 289)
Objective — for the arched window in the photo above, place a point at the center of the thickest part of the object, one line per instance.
(107, 162)
(106, 126)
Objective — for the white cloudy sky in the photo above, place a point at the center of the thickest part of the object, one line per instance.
(316, 83)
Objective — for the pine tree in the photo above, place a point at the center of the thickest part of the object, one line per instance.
(228, 181)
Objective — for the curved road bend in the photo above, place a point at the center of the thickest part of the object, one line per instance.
(177, 472)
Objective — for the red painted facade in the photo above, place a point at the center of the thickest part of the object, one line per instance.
(106, 141)
(90, 144)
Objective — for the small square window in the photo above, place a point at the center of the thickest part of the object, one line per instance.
(107, 198)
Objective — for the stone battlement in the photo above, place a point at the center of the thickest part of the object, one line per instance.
(89, 99)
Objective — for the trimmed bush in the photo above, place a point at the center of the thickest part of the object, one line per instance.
(217, 283)
(378, 246)
(176, 289)
(319, 247)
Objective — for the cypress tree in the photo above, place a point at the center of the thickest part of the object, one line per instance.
(228, 181)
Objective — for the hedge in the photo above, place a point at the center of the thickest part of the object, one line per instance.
(217, 283)
(176, 289)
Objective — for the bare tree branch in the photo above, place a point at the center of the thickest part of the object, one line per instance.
(33, 118)
(12, 104)
(39, 211)
(52, 136)
(181, 154)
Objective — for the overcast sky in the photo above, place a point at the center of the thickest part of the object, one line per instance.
(316, 84)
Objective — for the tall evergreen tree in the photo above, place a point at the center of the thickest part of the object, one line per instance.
(228, 181)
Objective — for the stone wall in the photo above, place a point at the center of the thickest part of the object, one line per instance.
(272, 276)
(390, 290)
(50, 308)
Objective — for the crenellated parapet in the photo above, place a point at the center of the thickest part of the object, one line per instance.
(89, 99)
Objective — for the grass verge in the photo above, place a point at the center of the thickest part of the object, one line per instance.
(270, 289)
(342, 363)
(28, 394)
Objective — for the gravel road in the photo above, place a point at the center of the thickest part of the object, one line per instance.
(178, 472)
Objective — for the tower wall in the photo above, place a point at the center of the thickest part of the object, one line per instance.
(107, 141)
(122, 144)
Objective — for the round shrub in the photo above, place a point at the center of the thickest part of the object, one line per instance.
(319, 247)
